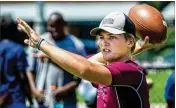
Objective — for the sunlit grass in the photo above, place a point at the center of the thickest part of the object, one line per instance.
(159, 80)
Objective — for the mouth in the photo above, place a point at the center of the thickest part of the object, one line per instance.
(105, 50)
(55, 34)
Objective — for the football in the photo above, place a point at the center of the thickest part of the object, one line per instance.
(148, 22)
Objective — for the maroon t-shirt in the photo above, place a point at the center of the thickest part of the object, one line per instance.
(129, 88)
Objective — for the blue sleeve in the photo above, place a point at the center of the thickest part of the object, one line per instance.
(170, 88)
(79, 46)
(83, 52)
(21, 60)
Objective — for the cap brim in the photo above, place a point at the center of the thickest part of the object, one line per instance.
(95, 31)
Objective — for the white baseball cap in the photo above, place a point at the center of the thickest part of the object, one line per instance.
(115, 23)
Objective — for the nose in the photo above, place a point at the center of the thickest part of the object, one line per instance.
(106, 42)
(51, 29)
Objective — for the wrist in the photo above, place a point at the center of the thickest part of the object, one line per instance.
(39, 43)
(137, 50)
(33, 91)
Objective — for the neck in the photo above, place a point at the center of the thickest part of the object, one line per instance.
(60, 38)
(124, 58)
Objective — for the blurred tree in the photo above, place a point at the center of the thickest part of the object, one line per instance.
(157, 4)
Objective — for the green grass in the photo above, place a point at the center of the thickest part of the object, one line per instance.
(159, 80)
(79, 98)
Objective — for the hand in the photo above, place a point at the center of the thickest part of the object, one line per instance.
(3, 97)
(59, 94)
(33, 36)
(39, 95)
(143, 45)
(149, 82)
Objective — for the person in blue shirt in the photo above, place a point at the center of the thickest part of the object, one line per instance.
(169, 92)
(48, 74)
(13, 64)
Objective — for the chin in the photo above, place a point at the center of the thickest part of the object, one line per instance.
(56, 37)
(108, 58)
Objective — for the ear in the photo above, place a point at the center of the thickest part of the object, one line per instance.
(130, 42)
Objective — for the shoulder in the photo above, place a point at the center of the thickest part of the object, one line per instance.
(9, 43)
(76, 40)
(128, 66)
(125, 73)
(12, 49)
(15, 47)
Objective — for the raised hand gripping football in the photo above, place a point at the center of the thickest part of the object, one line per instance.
(142, 45)
(145, 44)
(33, 36)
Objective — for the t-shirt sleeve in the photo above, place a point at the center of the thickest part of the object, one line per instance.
(21, 60)
(124, 74)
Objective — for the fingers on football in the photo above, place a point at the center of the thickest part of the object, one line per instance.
(146, 40)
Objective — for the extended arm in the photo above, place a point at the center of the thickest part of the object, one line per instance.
(77, 65)
(72, 63)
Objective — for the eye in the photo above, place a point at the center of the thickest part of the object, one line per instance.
(112, 37)
(101, 37)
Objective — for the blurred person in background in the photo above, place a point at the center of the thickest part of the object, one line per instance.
(14, 86)
(63, 84)
(169, 92)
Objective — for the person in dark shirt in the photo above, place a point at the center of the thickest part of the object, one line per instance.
(13, 64)
(64, 82)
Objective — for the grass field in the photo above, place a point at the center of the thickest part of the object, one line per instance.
(79, 98)
(159, 80)
(157, 91)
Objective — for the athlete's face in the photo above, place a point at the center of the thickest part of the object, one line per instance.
(113, 46)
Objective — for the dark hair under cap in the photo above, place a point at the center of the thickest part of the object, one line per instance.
(129, 26)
